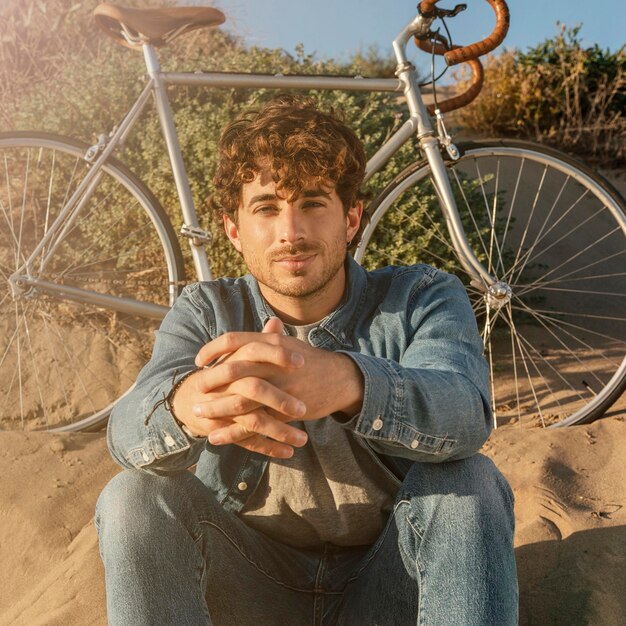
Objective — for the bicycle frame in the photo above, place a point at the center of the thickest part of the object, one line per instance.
(418, 123)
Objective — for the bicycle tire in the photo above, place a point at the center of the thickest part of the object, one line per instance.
(552, 229)
(64, 364)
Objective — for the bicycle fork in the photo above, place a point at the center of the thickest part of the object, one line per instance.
(496, 293)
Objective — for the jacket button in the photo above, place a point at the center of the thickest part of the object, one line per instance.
(169, 440)
(378, 424)
(415, 443)
(242, 486)
(146, 458)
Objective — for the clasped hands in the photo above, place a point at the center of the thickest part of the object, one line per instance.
(261, 382)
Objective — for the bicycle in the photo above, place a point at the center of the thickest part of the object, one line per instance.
(536, 236)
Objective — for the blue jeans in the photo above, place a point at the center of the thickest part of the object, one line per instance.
(173, 555)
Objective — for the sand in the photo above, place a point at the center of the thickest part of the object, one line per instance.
(570, 512)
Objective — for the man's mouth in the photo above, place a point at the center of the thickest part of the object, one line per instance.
(295, 262)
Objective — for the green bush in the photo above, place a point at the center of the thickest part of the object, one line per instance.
(559, 93)
(72, 79)
(82, 85)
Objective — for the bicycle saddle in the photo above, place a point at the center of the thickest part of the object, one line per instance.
(134, 27)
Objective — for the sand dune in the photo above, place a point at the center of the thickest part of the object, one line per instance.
(570, 511)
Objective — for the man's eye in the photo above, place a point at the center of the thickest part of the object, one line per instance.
(265, 209)
(312, 204)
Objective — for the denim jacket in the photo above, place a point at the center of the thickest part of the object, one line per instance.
(410, 330)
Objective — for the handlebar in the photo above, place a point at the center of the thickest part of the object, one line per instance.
(456, 102)
(465, 53)
(468, 54)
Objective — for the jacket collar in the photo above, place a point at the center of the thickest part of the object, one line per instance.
(340, 323)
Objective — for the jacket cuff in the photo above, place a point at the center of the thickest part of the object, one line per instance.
(382, 397)
(164, 432)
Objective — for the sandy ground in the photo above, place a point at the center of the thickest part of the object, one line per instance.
(570, 544)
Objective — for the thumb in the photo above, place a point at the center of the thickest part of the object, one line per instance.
(273, 325)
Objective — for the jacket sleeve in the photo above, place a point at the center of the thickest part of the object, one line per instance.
(433, 403)
(142, 433)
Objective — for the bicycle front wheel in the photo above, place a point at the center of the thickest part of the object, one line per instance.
(68, 349)
(553, 233)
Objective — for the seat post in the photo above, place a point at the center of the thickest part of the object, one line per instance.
(152, 62)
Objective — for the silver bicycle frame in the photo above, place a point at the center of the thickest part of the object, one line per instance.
(417, 124)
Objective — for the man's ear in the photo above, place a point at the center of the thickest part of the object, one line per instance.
(353, 220)
(232, 232)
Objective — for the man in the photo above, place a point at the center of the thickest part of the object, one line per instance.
(334, 415)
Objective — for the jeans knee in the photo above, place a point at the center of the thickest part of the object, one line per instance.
(134, 501)
(469, 488)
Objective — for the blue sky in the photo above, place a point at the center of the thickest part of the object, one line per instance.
(335, 28)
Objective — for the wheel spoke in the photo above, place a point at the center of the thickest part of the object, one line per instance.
(53, 355)
(19, 364)
(21, 229)
(526, 258)
(588, 291)
(581, 314)
(81, 367)
(532, 286)
(9, 217)
(538, 238)
(15, 245)
(69, 270)
(520, 247)
(14, 336)
(399, 261)
(575, 256)
(515, 377)
(4, 276)
(46, 224)
(493, 220)
(557, 236)
(487, 342)
(559, 340)
(512, 205)
(471, 214)
(118, 238)
(545, 316)
(36, 369)
(528, 376)
(525, 350)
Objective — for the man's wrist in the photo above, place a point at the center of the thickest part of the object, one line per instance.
(170, 401)
(350, 395)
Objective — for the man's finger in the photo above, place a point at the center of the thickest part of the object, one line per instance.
(261, 351)
(229, 406)
(222, 374)
(259, 423)
(274, 325)
(231, 342)
(244, 379)
(268, 447)
(262, 445)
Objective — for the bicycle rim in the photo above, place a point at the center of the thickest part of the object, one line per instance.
(555, 233)
(63, 363)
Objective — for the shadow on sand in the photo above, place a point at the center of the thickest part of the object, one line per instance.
(576, 581)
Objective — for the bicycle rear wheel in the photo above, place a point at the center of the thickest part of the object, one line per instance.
(555, 233)
(65, 357)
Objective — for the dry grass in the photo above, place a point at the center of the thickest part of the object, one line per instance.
(558, 93)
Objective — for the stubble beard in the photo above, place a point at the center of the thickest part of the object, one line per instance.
(262, 270)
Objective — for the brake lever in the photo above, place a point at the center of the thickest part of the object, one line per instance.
(435, 35)
(437, 12)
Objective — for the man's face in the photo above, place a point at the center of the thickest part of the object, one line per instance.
(294, 249)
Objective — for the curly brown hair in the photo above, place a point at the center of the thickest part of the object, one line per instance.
(299, 144)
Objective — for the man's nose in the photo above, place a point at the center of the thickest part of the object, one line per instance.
(291, 226)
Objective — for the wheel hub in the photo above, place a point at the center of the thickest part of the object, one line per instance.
(499, 294)
(19, 287)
